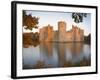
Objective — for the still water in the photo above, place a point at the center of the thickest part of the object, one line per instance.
(54, 55)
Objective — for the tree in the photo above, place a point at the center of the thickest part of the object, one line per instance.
(29, 22)
(78, 17)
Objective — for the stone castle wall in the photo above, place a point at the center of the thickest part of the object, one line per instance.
(69, 36)
(46, 33)
(55, 36)
(61, 35)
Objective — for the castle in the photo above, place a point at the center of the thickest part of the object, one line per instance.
(61, 35)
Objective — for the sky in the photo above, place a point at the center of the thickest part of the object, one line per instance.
(52, 18)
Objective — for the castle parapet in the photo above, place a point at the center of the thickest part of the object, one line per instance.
(61, 35)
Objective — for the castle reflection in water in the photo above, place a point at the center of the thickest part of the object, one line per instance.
(55, 55)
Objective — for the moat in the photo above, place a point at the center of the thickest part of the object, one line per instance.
(56, 55)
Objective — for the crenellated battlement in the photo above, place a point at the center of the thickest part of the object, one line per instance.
(61, 35)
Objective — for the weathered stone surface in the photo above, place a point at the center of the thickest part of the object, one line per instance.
(61, 35)
(46, 33)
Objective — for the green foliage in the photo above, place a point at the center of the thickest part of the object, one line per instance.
(78, 17)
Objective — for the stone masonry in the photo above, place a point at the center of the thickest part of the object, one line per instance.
(61, 35)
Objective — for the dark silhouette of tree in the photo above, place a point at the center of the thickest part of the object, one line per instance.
(78, 17)
(87, 39)
(30, 22)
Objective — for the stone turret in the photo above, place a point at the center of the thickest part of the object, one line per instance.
(78, 34)
(61, 31)
(49, 33)
(61, 35)
(46, 33)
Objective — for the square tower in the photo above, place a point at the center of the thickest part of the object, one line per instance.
(62, 31)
